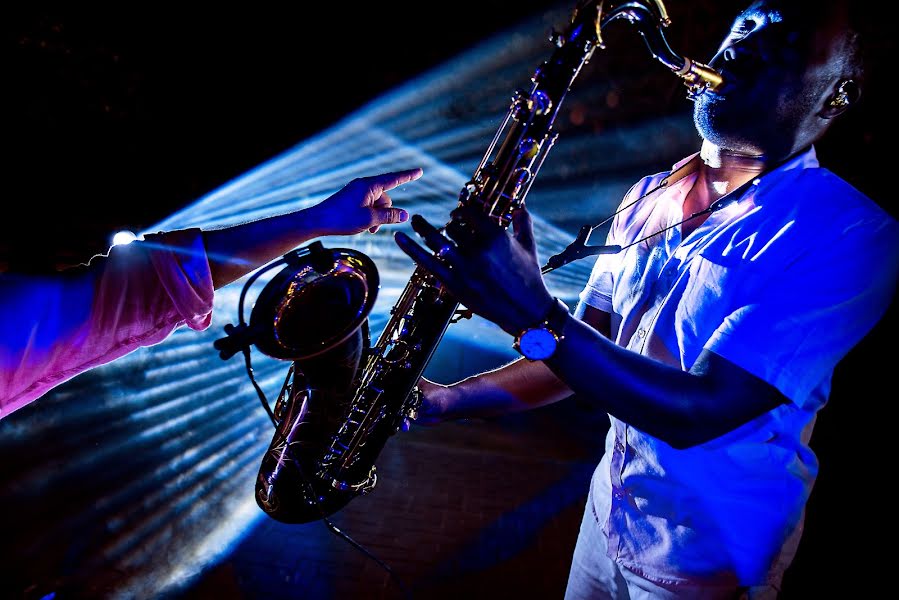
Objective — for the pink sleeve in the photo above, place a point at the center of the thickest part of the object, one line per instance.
(56, 327)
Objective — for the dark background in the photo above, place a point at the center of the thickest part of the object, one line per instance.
(117, 118)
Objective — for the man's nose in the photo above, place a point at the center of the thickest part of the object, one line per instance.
(728, 54)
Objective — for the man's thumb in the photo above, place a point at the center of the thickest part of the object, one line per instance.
(391, 215)
(523, 228)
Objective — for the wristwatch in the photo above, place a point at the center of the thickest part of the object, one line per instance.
(540, 341)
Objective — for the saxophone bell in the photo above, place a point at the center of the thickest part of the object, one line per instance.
(287, 316)
(314, 313)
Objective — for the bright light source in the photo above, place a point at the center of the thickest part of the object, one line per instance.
(123, 237)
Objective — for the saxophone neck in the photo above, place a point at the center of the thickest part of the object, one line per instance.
(651, 18)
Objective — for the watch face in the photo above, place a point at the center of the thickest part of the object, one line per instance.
(537, 344)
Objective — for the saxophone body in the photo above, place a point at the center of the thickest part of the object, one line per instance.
(343, 400)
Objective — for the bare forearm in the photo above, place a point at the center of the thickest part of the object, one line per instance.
(362, 204)
(236, 250)
(680, 407)
(517, 386)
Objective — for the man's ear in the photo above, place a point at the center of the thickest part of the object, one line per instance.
(846, 95)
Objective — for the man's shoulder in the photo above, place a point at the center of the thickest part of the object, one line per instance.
(827, 193)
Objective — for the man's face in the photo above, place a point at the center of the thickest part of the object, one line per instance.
(779, 64)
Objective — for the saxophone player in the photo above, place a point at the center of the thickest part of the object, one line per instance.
(711, 345)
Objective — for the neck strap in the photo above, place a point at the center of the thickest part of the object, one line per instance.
(579, 249)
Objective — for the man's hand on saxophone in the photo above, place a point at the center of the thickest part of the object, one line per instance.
(497, 276)
(494, 274)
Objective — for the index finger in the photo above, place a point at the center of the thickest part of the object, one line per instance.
(388, 181)
(423, 258)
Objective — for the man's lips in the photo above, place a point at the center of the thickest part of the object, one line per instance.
(728, 84)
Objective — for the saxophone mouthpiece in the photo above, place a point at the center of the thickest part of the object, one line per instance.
(699, 78)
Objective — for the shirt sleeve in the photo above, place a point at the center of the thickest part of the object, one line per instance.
(598, 290)
(814, 311)
(57, 326)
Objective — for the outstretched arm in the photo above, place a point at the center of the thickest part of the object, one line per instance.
(362, 204)
(59, 325)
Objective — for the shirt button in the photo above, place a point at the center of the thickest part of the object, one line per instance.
(619, 447)
(641, 333)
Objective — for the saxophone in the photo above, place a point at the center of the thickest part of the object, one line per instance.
(343, 398)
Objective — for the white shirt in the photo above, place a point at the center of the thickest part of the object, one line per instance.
(783, 283)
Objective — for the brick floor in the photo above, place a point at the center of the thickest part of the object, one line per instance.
(463, 510)
(479, 510)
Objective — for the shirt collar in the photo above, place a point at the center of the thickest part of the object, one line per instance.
(806, 159)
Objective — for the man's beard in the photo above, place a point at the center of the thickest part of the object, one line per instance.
(726, 123)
